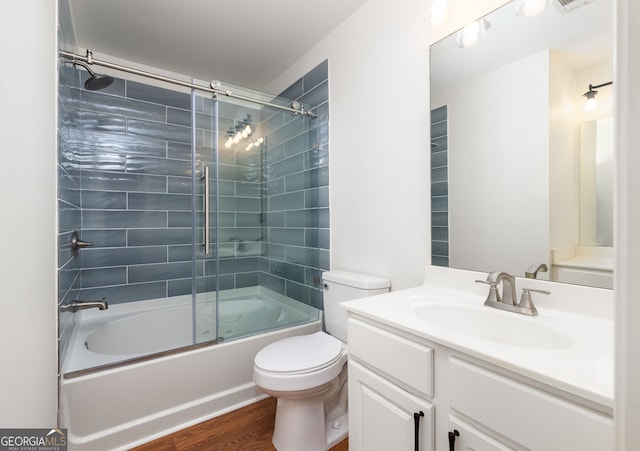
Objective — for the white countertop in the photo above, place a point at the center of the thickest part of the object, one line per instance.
(593, 263)
(581, 365)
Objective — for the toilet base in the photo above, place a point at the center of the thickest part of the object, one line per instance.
(300, 425)
(337, 430)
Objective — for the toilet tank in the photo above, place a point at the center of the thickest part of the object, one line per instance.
(340, 286)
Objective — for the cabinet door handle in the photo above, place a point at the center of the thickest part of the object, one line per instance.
(452, 439)
(416, 428)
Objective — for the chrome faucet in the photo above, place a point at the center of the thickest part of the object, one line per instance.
(76, 305)
(508, 286)
(508, 299)
(532, 272)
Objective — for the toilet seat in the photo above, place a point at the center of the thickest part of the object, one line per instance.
(299, 363)
(299, 355)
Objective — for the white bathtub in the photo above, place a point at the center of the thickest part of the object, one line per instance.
(127, 405)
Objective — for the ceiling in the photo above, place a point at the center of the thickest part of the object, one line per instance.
(244, 42)
(584, 36)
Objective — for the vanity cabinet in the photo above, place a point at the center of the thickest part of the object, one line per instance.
(388, 387)
(394, 375)
(383, 417)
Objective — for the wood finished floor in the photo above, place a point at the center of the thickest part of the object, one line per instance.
(249, 428)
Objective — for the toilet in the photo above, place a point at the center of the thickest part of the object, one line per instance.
(308, 373)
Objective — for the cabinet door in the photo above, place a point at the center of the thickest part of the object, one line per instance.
(467, 438)
(382, 415)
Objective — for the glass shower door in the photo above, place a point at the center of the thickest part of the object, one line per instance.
(205, 208)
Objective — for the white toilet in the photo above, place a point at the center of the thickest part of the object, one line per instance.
(308, 373)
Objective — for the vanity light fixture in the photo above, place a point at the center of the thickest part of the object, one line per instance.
(240, 131)
(591, 96)
(472, 33)
(438, 12)
(530, 8)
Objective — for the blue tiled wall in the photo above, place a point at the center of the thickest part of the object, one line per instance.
(297, 193)
(69, 213)
(439, 188)
(130, 147)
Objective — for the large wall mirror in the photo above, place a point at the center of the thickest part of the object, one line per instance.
(519, 183)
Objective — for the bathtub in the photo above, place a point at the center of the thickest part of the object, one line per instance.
(113, 395)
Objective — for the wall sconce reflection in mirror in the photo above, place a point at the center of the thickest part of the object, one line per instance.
(591, 96)
(472, 33)
(530, 8)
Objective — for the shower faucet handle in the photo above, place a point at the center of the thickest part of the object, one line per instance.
(76, 244)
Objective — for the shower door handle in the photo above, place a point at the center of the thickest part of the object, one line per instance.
(206, 208)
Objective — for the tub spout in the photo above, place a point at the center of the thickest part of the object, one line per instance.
(83, 305)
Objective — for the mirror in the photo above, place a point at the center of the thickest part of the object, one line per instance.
(506, 165)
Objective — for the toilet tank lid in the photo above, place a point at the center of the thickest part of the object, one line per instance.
(356, 280)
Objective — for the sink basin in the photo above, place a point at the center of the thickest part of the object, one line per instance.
(493, 325)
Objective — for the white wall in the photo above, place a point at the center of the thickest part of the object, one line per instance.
(28, 353)
(564, 177)
(499, 218)
(627, 285)
(627, 226)
(379, 143)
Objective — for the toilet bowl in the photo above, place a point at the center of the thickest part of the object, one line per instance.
(308, 373)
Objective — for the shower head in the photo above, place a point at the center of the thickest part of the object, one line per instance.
(96, 81)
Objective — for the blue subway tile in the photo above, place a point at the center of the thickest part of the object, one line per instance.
(153, 237)
(180, 253)
(160, 271)
(112, 181)
(94, 258)
(106, 219)
(315, 76)
(159, 166)
(104, 200)
(179, 117)
(158, 95)
(105, 238)
(89, 120)
(157, 130)
(103, 277)
(439, 159)
(439, 114)
(152, 201)
(288, 201)
(104, 103)
(287, 236)
(127, 293)
(319, 94)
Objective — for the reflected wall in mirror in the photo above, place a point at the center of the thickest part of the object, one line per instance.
(511, 157)
(596, 183)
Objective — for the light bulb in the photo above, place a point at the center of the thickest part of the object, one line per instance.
(530, 8)
(438, 12)
(247, 130)
(591, 104)
(469, 35)
(229, 142)
(248, 147)
(260, 140)
(237, 138)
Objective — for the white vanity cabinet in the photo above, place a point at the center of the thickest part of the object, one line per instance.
(394, 375)
(389, 381)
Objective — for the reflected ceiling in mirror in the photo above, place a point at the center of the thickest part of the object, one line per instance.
(506, 117)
